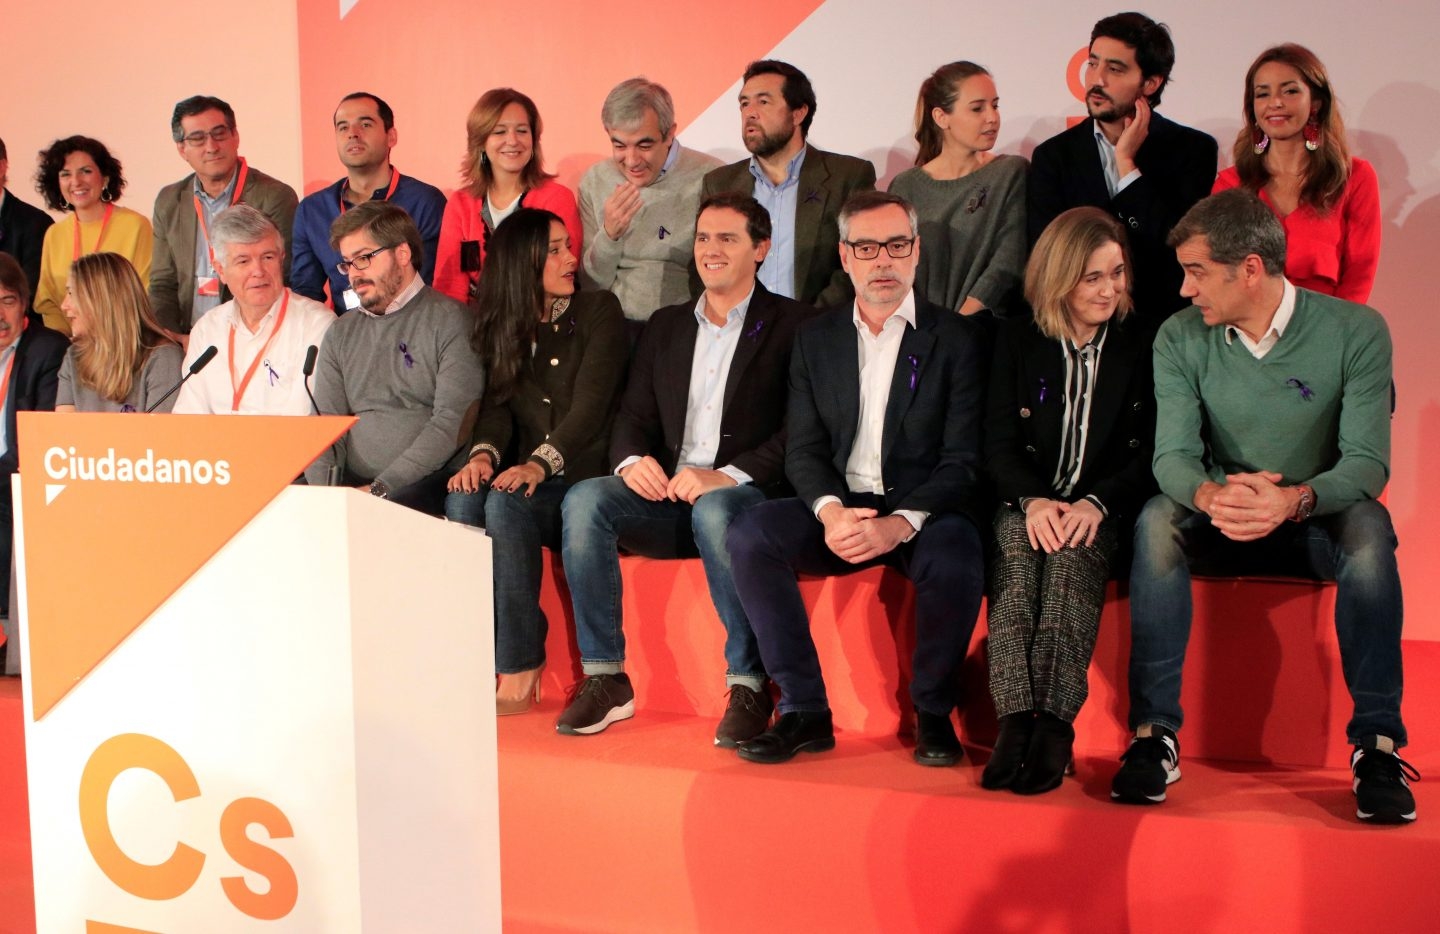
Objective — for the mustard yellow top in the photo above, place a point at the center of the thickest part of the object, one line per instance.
(127, 234)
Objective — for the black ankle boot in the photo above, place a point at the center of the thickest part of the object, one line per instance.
(1010, 747)
(1051, 748)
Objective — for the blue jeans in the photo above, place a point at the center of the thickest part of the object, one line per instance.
(603, 513)
(1354, 547)
(945, 561)
(518, 526)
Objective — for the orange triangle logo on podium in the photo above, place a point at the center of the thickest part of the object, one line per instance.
(121, 510)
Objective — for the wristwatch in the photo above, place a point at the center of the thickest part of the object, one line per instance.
(380, 488)
(1306, 506)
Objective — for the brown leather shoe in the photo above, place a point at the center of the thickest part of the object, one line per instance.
(746, 716)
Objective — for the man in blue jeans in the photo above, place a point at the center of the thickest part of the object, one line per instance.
(699, 438)
(1272, 443)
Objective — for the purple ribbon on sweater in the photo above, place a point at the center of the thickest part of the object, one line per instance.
(1306, 392)
(405, 352)
(127, 407)
(914, 370)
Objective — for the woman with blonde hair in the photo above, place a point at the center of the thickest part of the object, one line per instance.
(503, 170)
(1069, 428)
(1293, 154)
(971, 203)
(120, 361)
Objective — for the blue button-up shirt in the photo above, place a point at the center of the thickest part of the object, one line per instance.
(777, 273)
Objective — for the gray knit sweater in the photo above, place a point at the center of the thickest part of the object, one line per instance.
(972, 233)
(414, 381)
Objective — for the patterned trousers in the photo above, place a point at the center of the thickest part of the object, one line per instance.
(1044, 616)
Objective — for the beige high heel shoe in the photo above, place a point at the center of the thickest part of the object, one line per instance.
(517, 693)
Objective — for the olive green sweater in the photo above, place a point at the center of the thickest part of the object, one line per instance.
(1315, 409)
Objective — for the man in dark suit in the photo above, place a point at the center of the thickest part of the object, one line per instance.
(22, 227)
(699, 438)
(884, 452)
(802, 187)
(184, 283)
(1127, 160)
(30, 356)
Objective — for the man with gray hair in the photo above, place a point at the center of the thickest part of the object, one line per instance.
(639, 206)
(1272, 444)
(263, 335)
(184, 280)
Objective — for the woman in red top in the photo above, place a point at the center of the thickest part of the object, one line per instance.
(1292, 153)
(502, 171)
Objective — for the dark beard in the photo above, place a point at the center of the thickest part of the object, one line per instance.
(768, 144)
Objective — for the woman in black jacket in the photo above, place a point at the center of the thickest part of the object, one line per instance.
(1068, 437)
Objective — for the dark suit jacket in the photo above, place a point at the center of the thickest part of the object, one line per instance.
(33, 381)
(930, 449)
(1177, 168)
(172, 268)
(752, 426)
(827, 180)
(22, 235)
(1026, 410)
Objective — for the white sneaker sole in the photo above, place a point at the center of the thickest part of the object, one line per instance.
(624, 712)
(1171, 777)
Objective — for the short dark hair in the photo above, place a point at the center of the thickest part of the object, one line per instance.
(1154, 50)
(863, 201)
(797, 89)
(194, 107)
(3, 154)
(387, 116)
(387, 222)
(1236, 224)
(757, 219)
(12, 276)
(52, 160)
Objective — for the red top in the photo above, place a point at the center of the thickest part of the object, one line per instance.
(462, 222)
(1335, 253)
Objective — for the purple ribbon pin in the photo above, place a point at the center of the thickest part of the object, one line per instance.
(813, 196)
(270, 372)
(977, 201)
(663, 232)
(914, 370)
(754, 331)
(127, 407)
(1306, 392)
(1043, 390)
(405, 352)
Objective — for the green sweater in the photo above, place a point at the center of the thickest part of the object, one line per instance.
(1315, 410)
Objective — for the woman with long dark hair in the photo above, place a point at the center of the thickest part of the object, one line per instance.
(120, 360)
(503, 170)
(1068, 435)
(555, 359)
(1292, 152)
(971, 203)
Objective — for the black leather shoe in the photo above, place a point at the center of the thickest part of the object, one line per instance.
(1011, 745)
(1048, 757)
(805, 731)
(935, 740)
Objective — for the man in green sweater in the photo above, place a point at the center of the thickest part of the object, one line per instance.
(1272, 443)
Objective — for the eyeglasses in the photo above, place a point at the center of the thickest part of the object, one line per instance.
(898, 248)
(197, 139)
(362, 262)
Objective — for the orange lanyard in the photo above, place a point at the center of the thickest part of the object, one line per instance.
(394, 180)
(10, 365)
(239, 389)
(234, 200)
(104, 223)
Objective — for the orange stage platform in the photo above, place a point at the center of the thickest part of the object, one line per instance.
(648, 827)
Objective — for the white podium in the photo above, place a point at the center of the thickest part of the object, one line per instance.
(300, 738)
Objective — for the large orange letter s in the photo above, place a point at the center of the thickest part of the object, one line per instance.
(175, 875)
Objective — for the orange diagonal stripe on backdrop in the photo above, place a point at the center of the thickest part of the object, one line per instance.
(431, 59)
(102, 554)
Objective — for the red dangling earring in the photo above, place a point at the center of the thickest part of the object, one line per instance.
(1312, 134)
(1260, 141)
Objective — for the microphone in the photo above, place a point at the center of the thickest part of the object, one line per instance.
(311, 353)
(200, 363)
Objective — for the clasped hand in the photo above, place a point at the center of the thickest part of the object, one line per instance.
(1052, 524)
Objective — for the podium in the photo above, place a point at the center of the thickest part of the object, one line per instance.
(298, 735)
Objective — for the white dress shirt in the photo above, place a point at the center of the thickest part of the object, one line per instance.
(1113, 182)
(1283, 314)
(278, 386)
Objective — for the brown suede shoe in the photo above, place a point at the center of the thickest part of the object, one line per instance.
(746, 716)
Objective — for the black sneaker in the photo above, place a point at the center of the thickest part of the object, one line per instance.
(746, 716)
(1151, 763)
(1382, 783)
(599, 701)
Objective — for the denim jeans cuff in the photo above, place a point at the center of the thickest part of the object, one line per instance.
(803, 708)
(753, 682)
(590, 667)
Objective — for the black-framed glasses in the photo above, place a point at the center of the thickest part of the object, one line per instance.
(898, 247)
(197, 139)
(362, 262)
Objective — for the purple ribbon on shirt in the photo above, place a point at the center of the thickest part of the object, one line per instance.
(914, 370)
(270, 373)
(127, 407)
(1306, 392)
(405, 352)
